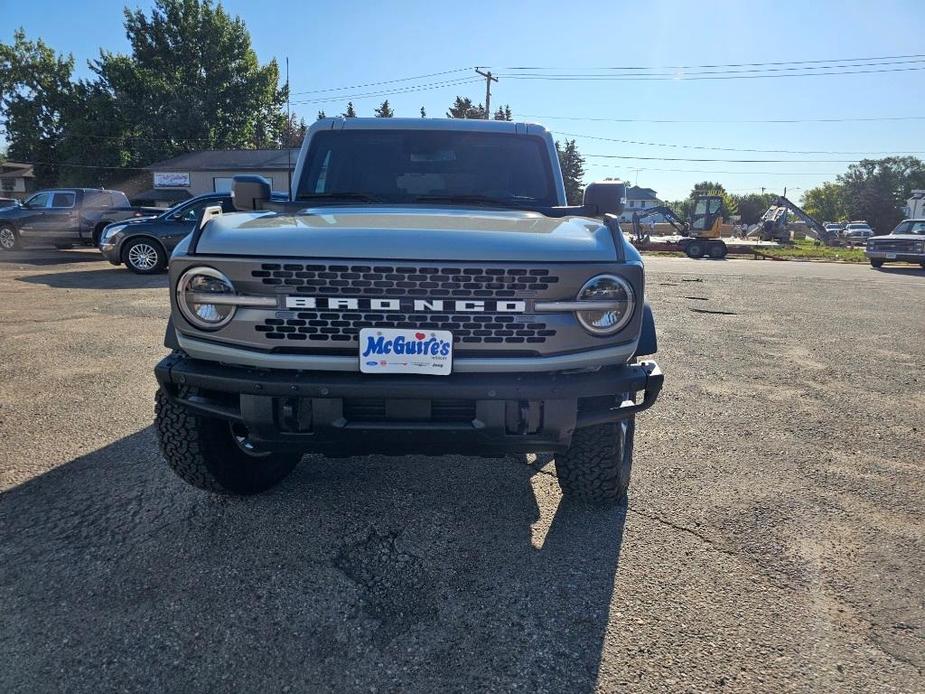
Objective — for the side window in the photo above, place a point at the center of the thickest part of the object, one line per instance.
(62, 200)
(38, 200)
(917, 228)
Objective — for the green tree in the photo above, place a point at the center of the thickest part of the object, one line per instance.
(321, 115)
(192, 81)
(877, 189)
(350, 112)
(294, 131)
(423, 112)
(573, 170)
(37, 103)
(384, 110)
(503, 113)
(463, 108)
(752, 205)
(826, 202)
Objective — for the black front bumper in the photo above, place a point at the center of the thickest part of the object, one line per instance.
(340, 413)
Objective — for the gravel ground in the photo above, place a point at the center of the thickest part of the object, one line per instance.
(773, 541)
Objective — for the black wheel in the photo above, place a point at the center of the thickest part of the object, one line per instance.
(597, 465)
(144, 256)
(923, 265)
(695, 249)
(876, 263)
(214, 455)
(718, 250)
(9, 239)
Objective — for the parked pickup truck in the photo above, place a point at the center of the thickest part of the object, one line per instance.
(65, 217)
(426, 290)
(906, 243)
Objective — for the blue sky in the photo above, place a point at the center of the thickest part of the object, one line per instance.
(338, 44)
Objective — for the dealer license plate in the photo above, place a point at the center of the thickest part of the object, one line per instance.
(400, 351)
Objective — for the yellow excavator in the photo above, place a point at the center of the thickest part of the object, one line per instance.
(701, 234)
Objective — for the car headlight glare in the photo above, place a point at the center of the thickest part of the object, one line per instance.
(111, 231)
(610, 289)
(193, 285)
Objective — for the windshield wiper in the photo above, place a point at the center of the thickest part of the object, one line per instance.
(337, 197)
(513, 201)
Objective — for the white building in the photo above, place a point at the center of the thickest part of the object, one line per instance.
(637, 200)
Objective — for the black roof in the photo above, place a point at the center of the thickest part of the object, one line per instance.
(229, 159)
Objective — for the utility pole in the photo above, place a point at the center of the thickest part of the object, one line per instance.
(488, 80)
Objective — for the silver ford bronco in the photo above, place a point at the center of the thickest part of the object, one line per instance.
(425, 289)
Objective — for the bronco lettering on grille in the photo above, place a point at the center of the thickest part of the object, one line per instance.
(415, 305)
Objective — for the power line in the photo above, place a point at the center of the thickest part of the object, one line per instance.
(739, 122)
(727, 161)
(697, 67)
(696, 77)
(729, 149)
(373, 84)
(407, 90)
(675, 71)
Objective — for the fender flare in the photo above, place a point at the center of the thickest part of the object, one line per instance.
(170, 336)
(648, 339)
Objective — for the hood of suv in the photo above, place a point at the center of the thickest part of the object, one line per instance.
(396, 233)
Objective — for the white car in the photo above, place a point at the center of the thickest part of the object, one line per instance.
(857, 232)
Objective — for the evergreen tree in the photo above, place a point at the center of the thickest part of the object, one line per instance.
(504, 113)
(463, 108)
(423, 112)
(384, 110)
(350, 112)
(573, 170)
(321, 115)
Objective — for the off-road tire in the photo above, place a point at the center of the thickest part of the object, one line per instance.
(152, 250)
(9, 239)
(597, 465)
(203, 452)
(695, 249)
(717, 251)
(876, 263)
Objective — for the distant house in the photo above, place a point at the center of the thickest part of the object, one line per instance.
(637, 200)
(17, 180)
(915, 206)
(211, 171)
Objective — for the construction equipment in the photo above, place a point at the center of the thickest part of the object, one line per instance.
(701, 233)
(674, 220)
(773, 224)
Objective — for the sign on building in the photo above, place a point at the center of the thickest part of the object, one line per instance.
(171, 179)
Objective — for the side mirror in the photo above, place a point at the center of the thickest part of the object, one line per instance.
(608, 197)
(249, 192)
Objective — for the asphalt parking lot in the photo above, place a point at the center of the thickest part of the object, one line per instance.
(773, 541)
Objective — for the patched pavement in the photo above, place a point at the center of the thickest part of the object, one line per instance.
(773, 540)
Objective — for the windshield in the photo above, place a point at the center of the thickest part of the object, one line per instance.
(917, 227)
(399, 166)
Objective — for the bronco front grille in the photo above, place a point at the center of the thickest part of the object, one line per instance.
(405, 280)
(344, 326)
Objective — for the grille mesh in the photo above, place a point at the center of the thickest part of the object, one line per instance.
(405, 280)
(344, 326)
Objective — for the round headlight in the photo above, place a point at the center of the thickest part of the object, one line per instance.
(193, 291)
(609, 289)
